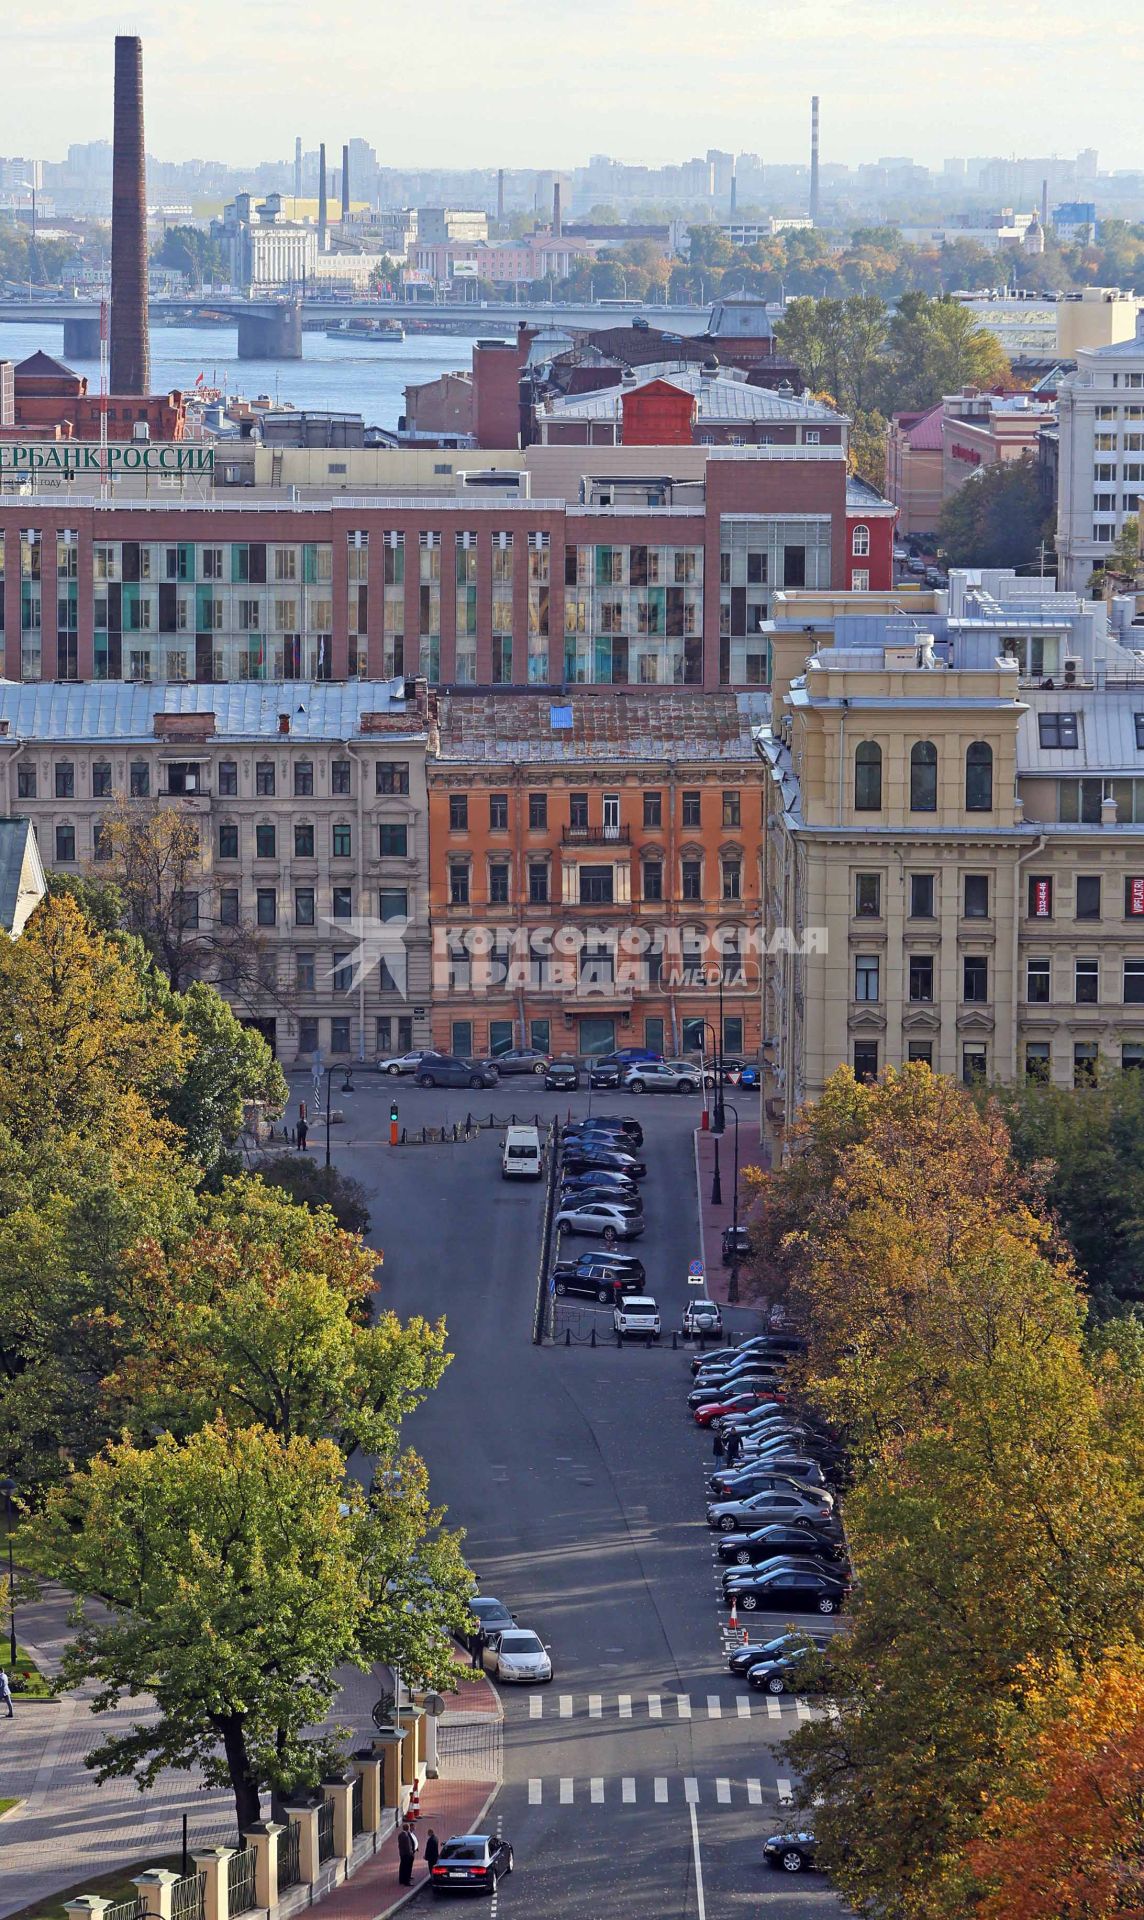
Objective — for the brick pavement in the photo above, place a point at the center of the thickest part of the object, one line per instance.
(713, 1219)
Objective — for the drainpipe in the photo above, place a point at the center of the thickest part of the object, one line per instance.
(669, 903)
(360, 764)
(518, 886)
(842, 758)
(17, 747)
(1030, 854)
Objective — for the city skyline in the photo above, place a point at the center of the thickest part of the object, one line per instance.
(491, 103)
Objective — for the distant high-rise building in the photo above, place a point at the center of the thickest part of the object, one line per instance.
(298, 167)
(322, 217)
(814, 158)
(345, 183)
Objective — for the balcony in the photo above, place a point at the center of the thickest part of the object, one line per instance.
(596, 836)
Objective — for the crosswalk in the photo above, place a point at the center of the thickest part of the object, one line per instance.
(666, 1790)
(675, 1706)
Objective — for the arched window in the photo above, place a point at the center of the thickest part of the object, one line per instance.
(860, 545)
(923, 777)
(979, 777)
(868, 777)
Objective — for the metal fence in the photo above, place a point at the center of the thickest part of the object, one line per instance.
(326, 1830)
(240, 1880)
(188, 1897)
(289, 1856)
(357, 1805)
(125, 1910)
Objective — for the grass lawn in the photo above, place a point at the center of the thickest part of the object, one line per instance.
(28, 1683)
(6, 1806)
(111, 1886)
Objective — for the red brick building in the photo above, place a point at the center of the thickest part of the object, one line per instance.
(53, 403)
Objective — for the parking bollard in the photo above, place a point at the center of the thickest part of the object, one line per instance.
(403, 1138)
(619, 1339)
(567, 1336)
(674, 1342)
(593, 1336)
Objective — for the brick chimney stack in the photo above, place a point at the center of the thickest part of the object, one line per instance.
(130, 346)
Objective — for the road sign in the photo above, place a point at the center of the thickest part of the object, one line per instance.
(695, 1274)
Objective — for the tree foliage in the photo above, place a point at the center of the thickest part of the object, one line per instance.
(997, 519)
(871, 360)
(312, 1185)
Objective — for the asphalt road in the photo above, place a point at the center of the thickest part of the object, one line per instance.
(643, 1780)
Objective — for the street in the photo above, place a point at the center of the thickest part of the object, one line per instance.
(644, 1779)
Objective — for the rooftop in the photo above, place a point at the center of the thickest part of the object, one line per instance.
(722, 395)
(249, 711)
(510, 729)
(22, 883)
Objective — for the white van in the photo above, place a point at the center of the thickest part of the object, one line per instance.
(522, 1157)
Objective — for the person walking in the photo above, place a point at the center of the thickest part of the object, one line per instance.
(432, 1849)
(6, 1694)
(732, 1447)
(718, 1448)
(406, 1854)
(302, 1132)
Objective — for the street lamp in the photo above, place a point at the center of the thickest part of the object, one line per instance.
(9, 1487)
(347, 1087)
(733, 1282)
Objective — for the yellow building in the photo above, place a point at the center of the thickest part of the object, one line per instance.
(1094, 317)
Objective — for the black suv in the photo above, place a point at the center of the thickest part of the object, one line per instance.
(447, 1070)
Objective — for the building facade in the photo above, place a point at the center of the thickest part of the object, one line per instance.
(914, 480)
(1101, 455)
(955, 841)
(595, 866)
(309, 906)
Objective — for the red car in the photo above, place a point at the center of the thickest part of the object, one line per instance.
(742, 1403)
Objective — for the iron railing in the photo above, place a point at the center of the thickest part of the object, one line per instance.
(289, 1855)
(357, 1805)
(126, 1910)
(240, 1880)
(188, 1897)
(326, 1830)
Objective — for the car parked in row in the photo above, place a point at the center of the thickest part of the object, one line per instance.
(519, 1060)
(518, 1654)
(662, 1076)
(606, 1219)
(789, 1587)
(449, 1070)
(790, 1852)
(562, 1076)
(754, 1652)
(702, 1318)
(607, 1123)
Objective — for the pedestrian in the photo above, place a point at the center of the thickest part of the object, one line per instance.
(432, 1849)
(406, 1854)
(477, 1646)
(6, 1694)
(302, 1132)
(718, 1444)
(732, 1447)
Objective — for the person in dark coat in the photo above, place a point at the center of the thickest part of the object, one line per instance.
(732, 1447)
(718, 1449)
(406, 1854)
(432, 1849)
(302, 1132)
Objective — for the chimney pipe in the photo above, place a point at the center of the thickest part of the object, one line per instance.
(500, 197)
(130, 351)
(814, 158)
(297, 170)
(322, 198)
(556, 228)
(734, 191)
(345, 183)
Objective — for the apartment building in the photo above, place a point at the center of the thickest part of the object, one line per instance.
(1101, 476)
(309, 908)
(955, 839)
(595, 870)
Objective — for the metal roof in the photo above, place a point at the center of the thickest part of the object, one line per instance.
(249, 711)
(21, 874)
(617, 728)
(725, 395)
(1106, 731)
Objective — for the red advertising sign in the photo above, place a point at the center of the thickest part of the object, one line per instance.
(1042, 891)
(1136, 896)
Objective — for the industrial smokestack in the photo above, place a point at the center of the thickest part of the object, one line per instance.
(130, 351)
(734, 191)
(556, 227)
(345, 183)
(322, 198)
(814, 159)
(500, 197)
(297, 170)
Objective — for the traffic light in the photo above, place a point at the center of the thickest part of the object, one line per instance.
(393, 1113)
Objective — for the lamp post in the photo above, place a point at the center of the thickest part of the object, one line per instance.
(719, 1115)
(733, 1282)
(9, 1489)
(347, 1087)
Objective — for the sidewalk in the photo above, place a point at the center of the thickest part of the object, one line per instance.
(712, 1218)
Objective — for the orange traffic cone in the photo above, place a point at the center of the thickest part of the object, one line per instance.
(734, 1620)
(413, 1811)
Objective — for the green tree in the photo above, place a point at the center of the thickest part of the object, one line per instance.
(312, 1185)
(938, 347)
(192, 251)
(228, 1066)
(996, 519)
(867, 449)
(100, 903)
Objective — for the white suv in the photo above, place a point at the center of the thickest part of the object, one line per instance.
(662, 1076)
(637, 1313)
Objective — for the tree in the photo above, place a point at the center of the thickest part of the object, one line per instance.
(996, 519)
(314, 1186)
(244, 1570)
(938, 347)
(867, 448)
(100, 903)
(191, 251)
(228, 1066)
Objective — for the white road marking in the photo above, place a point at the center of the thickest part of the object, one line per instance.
(754, 1793)
(566, 1792)
(535, 1707)
(744, 1707)
(625, 1706)
(628, 1790)
(654, 1706)
(804, 1709)
(595, 1705)
(723, 1792)
(683, 1702)
(566, 1706)
(714, 1707)
(784, 1792)
(597, 1791)
(774, 1707)
(690, 1788)
(535, 1790)
(660, 1790)
(700, 1903)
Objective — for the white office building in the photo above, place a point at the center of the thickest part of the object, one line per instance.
(1101, 424)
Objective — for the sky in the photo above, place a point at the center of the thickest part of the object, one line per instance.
(546, 83)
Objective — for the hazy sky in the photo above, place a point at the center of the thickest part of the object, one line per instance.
(549, 82)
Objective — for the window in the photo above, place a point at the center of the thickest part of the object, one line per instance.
(264, 782)
(65, 780)
(228, 776)
(340, 1034)
(577, 810)
(458, 812)
(974, 1063)
(860, 544)
(975, 978)
(228, 907)
(501, 1036)
(975, 905)
(732, 880)
(264, 843)
(538, 883)
(1040, 897)
(139, 780)
(228, 841)
(304, 906)
(921, 976)
(1088, 896)
(868, 896)
(979, 777)
(461, 1039)
(537, 812)
(1058, 729)
(692, 808)
(692, 879)
(393, 840)
(921, 896)
(923, 777)
(498, 883)
(343, 903)
(304, 970)
(392, 776)
(498, 813)
(1037, 1061)
(920, 1050)
(340, 777)
(1087, 983)
(342, 972)
(65, 845)
(653, 880)
(540, 1035)
(1139, 719)
(26, 781)
(303, 840)
(267, 907)
(1134, 983)
(1086, 1059)
(868, 777)
(653, 808)
(308, 1034)
(341, 845)
(865, 1059)
(458, 883)
(596, 886)
(860, 580)
(393, 903)
(1132, 1056)
(731, 812)
(866, 969)
(1038, 981)
(186, 909)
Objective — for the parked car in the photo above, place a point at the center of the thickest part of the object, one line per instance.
(519, 1654)
(562, 1076)
(789, 1674)
(629, 1056)
(723, 1356)
(747, 1656)
(778, 1503)
(606, 1220)
(664, 1076)
(602, 1177)
(701, 1317)
(792, 1589)
(608, 1123)
(751, 1549)
(789, 1852)
(395, 1063)
(607, 1288)
(709, 1411)
(519, 1060)
(735, 1244)
(630, 1204)
(604, 1073)
(448, 1070)
(604, 1263)
(637, 1314)
(492, 1616)
(471, 1863)
(581, 1159)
